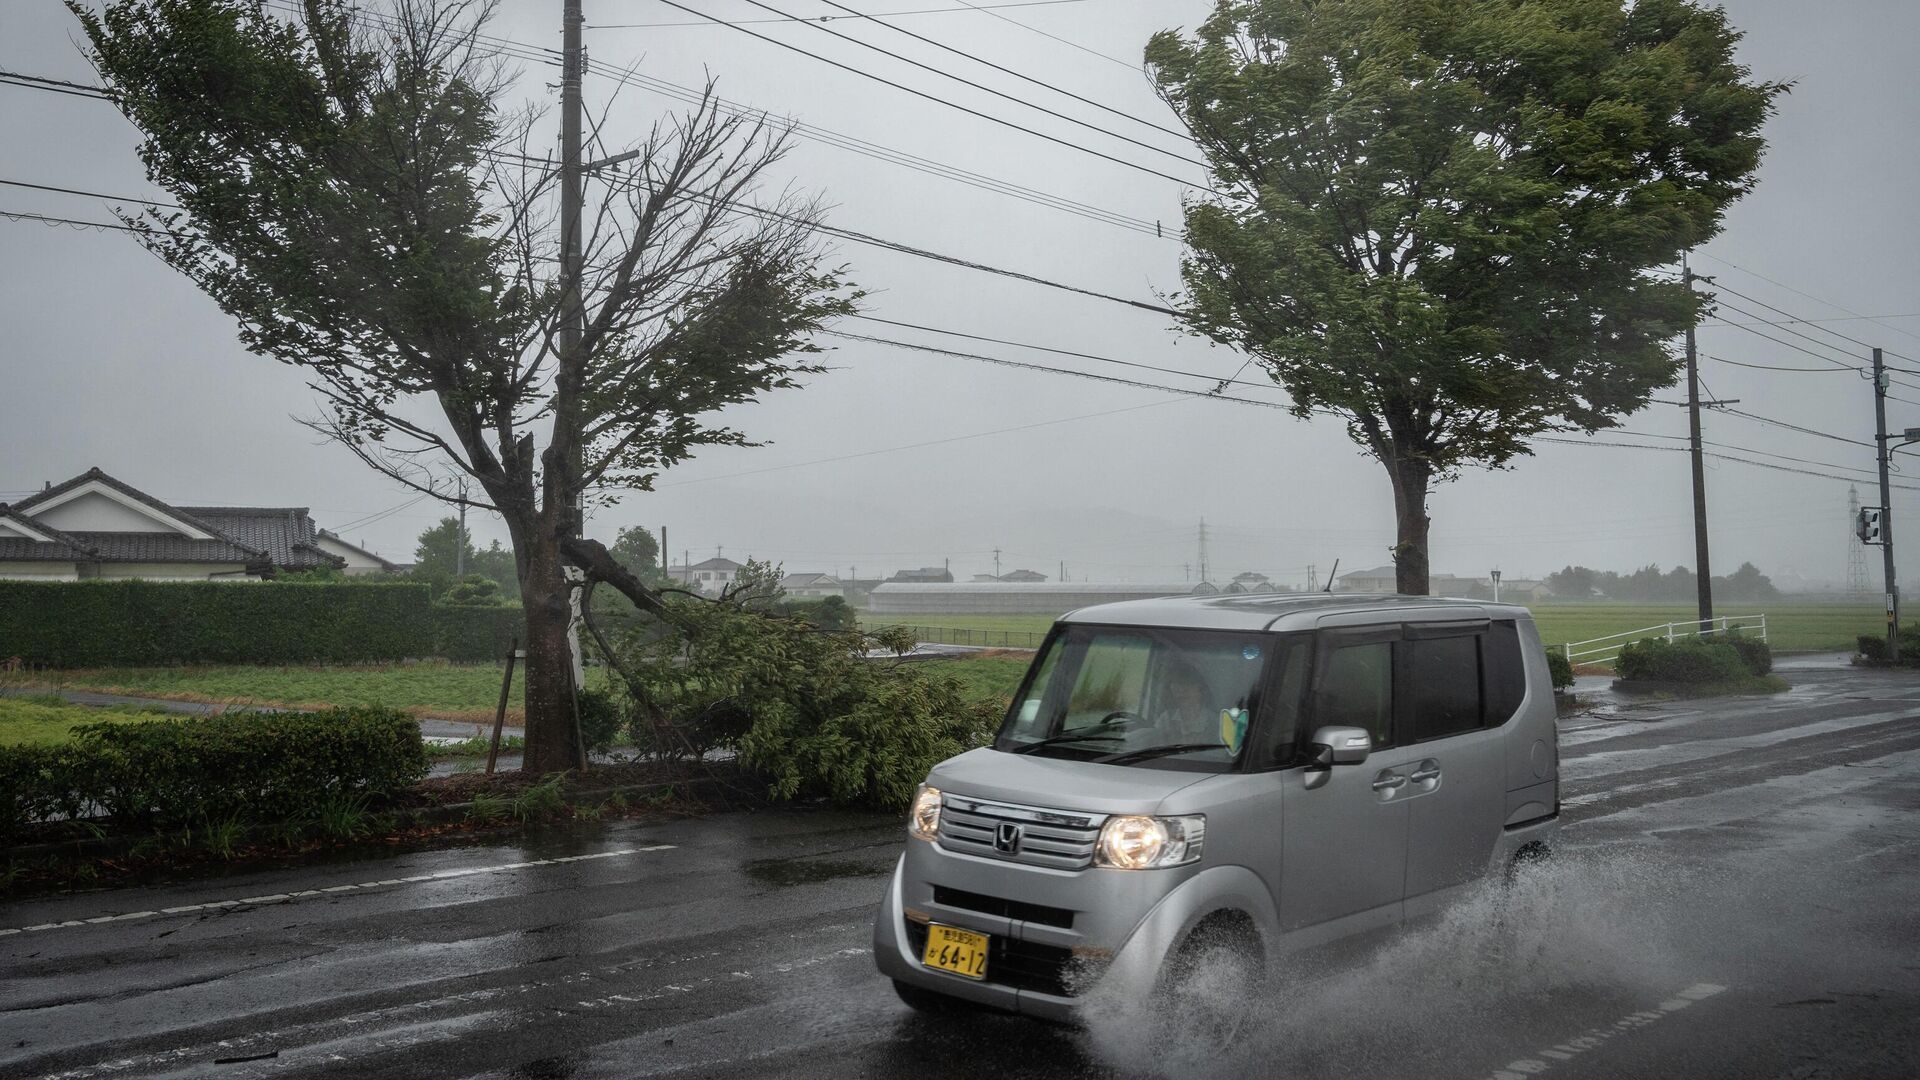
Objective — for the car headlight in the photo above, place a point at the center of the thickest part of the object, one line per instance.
(1135, 842)
(923, 821)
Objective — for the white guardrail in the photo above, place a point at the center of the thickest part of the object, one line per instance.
(1605, 650)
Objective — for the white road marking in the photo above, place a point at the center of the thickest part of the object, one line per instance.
(1594, 1038)
(281, 898)
(294, 1051)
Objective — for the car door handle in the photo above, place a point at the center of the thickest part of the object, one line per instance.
(1388, 782)
(1424, 775)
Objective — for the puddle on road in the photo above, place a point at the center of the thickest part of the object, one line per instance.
(783, 873)
(1598, 923)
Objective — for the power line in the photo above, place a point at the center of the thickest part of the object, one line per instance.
(830, 18)
(1113, 379)
(920, 445)
(1215, 379)
(943, 101)
(1792, 427)
(15, 215)
(1720, 457)
(1790, 318)
(881, 152)
(1744, 328)
(990, 90)
(91, 194)
(1018, 75)
(1799, 292)
(1771, 367)
(983, 9)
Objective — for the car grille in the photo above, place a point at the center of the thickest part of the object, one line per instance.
(1007, 909)
(1023, 965)
(1057, 839)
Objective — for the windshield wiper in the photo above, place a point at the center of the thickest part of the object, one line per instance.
(1069, 737)
(1146, 752)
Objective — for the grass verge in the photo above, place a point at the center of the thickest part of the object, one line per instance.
(45, 720)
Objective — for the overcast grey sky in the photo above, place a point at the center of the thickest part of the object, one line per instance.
(110, 359)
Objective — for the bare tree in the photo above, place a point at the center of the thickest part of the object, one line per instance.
(356, 196)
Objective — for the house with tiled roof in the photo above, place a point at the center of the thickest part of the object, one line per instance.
(95, 526)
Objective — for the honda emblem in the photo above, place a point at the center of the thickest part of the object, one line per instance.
(1006, 839)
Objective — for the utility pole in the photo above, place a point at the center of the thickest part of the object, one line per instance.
(1203, 549)
(573, 314)
(1703, 571)
(460, 551)
(1880, 380)
(996, 563)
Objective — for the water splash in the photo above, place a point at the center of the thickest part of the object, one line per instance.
(1595, 922)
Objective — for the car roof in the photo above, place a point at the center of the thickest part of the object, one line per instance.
(1302, 611)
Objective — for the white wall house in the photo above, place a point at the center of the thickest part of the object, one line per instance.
(96, 527)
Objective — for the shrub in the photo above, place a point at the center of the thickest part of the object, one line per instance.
(476, 632)
(600, 719)
(1873, 646)
(1689, 660)
(186, 773)
(809, 710)
(1559, 668)
(1757, 656)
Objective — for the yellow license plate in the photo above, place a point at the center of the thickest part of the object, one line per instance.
(962, 952)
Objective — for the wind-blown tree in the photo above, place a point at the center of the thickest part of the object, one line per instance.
(1445, 219)
(351, 195)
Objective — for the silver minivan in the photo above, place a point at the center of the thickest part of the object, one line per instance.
(1257, 774)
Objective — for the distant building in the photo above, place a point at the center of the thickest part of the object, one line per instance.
(710, 576)
(1008, 598)
(1017, 576)
(1512, 590)
(812, 586)
(95, 526)
(926, 575)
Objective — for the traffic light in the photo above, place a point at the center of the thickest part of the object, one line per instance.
(1867, 528)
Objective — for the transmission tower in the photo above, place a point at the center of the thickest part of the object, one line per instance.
(1856, 551)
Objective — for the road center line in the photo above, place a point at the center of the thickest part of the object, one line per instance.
(288, 897)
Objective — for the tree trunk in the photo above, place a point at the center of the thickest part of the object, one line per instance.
(549, 671)
(1411, 478)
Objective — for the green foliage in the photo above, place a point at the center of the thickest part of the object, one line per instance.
(826, 613)
(1874, 646)
(600, 719)
(437, 562)
(1745, 585)
(1559, 669)
(486, 809)
(341, 815)
(186, 773)
(541, 800)
(1443, 220)
(474, 591)
(1688, 660)
(636, 549)
(1756, 656)
(129, 623)
(808, 709)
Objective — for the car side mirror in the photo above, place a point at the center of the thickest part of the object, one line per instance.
(1338, 746)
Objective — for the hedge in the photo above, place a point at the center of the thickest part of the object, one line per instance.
(251, 767)
(134, 623)
(1689, 660)
(476, 633)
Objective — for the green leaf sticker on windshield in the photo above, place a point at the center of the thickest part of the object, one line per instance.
(1233, 728)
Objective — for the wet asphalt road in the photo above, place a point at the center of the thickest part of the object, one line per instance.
(1736, 896)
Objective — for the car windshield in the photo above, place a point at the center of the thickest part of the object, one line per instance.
(1148, 697)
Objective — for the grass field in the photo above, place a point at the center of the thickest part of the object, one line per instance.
(1790, 627)
(48, 721)
(450, 691)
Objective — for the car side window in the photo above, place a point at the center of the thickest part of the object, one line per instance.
(1444, 685)
(1356, 690)
(1505, 671)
